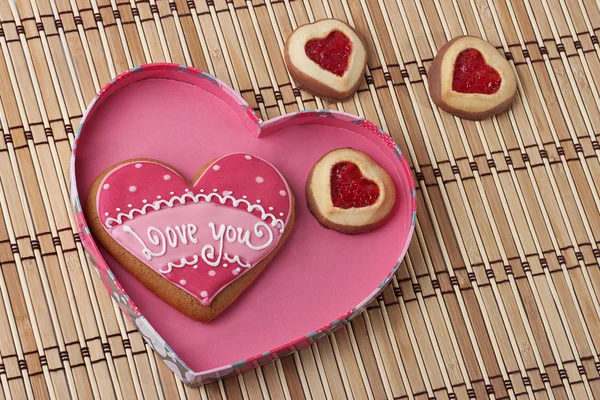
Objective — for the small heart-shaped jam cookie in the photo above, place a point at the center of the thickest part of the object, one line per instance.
(349, 192)
(327, 57)
(471, 79)
(195, 245)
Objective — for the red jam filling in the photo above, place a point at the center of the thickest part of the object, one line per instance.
(331, 53)
(473, 75)
(350, 189)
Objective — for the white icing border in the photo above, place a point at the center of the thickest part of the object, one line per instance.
(195, 198)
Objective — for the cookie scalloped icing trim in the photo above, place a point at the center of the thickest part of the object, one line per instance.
(156, 205)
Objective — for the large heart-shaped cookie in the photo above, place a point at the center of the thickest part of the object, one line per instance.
(471, 79)
(197, 246)
(327, 57)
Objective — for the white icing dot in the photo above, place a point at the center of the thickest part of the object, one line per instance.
(159, 197)
(187, 190)
(257, 201)
(270, 208)
(215, 190)
(106, 186)
(227, 192)
(282, 192)
(138, 165)
(211, 273)
(195, 267)
(247, 157)
(201, 190)
(167, 177)
(106, 214)
(144, 201)
(132, 189)
(183, 281)
(129, 205)
(244, 197)
(281, 214)
(118, 209)
(236, 271)
(204, 293)
(259, 179)
(225, 265)
(216, 167)
(171, 193)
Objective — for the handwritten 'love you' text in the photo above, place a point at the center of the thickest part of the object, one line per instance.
(214, 252)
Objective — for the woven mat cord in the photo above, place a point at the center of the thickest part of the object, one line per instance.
(499, 294)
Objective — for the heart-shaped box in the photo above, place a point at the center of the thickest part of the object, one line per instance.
(318, 281)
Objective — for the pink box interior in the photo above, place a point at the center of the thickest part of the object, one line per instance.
(316, 277)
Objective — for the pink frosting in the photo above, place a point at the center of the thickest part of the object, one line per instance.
(200, 237)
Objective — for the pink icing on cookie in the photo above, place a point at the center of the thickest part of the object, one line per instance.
(200, 237)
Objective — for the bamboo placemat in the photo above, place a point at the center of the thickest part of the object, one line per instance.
(498, 295)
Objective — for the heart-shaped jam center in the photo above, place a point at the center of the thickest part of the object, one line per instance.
(350, 189)
(331, 53)
(473, 75)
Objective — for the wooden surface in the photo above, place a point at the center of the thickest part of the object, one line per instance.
(499, 294)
